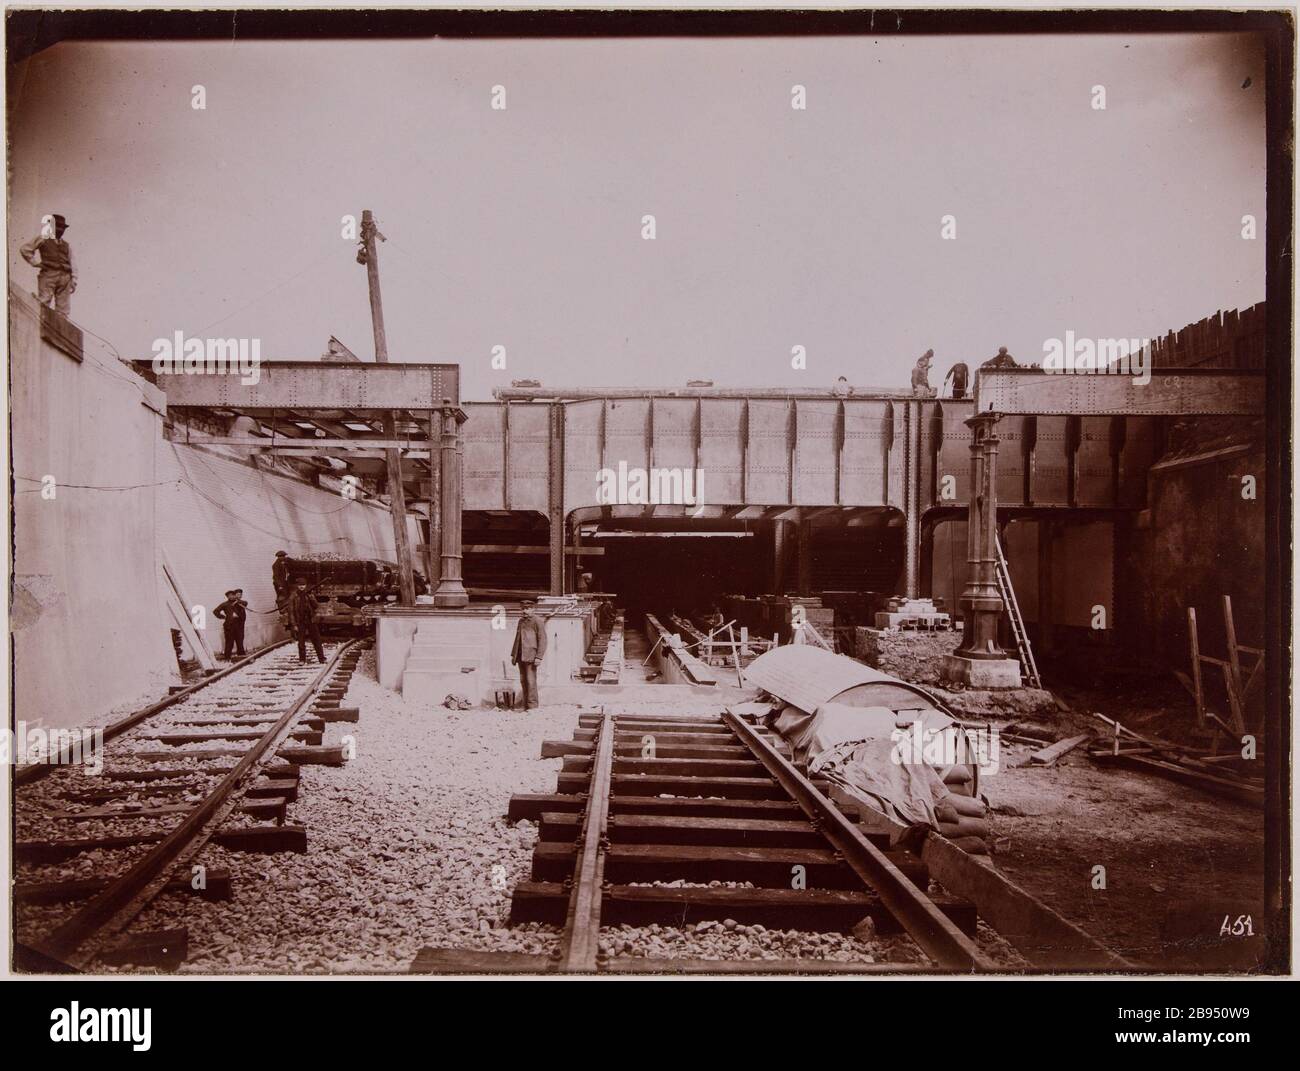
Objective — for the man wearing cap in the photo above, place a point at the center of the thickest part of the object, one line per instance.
(56, 279)
(280, 575)
(528, 651)
(232, 613)
(1001, 360)
(302, 620)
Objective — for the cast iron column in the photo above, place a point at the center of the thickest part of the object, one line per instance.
(451, 591)
(981, 602)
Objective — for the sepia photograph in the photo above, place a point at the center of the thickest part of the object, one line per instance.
(661, 494)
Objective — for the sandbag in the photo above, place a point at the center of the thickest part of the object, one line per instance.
(967, 805)
(964, 827)
(956, 775)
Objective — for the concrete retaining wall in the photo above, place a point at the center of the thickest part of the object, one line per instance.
(221, 520)
(90, 618)
(88, 628)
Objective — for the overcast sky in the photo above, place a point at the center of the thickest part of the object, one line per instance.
(775, 227)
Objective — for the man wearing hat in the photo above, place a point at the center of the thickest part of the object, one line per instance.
(233, 612)
(56, 278)
(528, 651)
(280, 575)
(303, 621)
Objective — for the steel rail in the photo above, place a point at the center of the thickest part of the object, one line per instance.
(928, 926)
(26, 774)
(113, 908)
(580, 942)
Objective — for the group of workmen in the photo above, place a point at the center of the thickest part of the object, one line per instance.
(295, 602)
(958, 374)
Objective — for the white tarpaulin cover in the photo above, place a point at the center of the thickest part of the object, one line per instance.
(810, 676)
(854, 745)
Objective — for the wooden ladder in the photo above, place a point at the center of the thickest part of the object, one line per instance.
(1008, 593)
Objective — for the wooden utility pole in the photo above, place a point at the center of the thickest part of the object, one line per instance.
(393, 458)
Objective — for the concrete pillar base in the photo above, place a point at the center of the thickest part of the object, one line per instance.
(989, 673)
(451, 595)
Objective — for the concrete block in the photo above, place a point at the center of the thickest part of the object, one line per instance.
(984, 673)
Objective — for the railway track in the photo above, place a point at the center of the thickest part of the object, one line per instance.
(677, 820)
(216, 762)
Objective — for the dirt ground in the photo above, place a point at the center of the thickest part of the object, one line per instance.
(1179, 862)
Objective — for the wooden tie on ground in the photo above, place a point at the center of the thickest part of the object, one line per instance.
(705, 799)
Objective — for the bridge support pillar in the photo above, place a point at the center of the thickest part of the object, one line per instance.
(451, 591)
(781, 532)
(1046, 533)
(804, 568)
(980, 662)
(555, 503)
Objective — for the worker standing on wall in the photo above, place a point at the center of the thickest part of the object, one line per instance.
(528, 651)
(1002, 359)
(56, 279)
(233, 612)
(960, 375)
(302, 620)
(921, 376)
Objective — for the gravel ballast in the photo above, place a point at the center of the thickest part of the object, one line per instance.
(408, 847)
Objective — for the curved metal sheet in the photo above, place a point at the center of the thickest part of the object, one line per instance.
(808, 676)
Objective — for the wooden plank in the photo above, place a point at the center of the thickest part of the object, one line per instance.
(685, 767)
(479, 961)
(1234, 700)
(307, 736)
(1038, 933)
(751, 788)
(676, 829)
(158, 948)
(531, 806)
(1235, 688)
(1220, 786)
(1047, 756)
(771, 867)
(818, 910)
(262, 839)
(315, 723)
(591, 721)
(639, 965)
(465, 961)
(337, 714)
(164, 774)
(1198, 691)
(552, 749)
(217, 886)
(268, 807)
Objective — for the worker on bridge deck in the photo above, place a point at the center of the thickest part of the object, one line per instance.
(303, 621)
(921, 376)
(1001, 360)
(233, 612)
(960, 376)
(528, 651)
(56, 279)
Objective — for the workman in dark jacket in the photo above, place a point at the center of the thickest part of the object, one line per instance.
(302, 620)
(528, 651)
(280, 575)
(233, 613)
